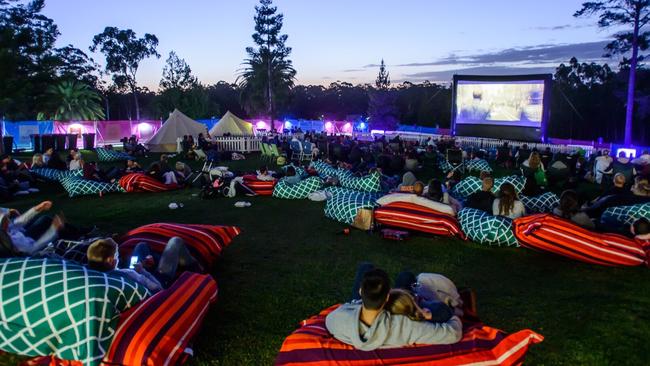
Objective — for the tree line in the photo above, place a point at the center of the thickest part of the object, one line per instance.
(40, 81)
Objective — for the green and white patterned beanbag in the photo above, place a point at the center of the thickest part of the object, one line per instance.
(466, 187)
(84, 187)
(369, 183)
(622, 216)
(297, 191)
(323, 169)
(516, 180)
(443, 164)
(300, 171)
(107, 155)
(343, 207)
(478, 165)
(53, 307)
(55, 174)
(543, 203)
(334, 190)
(483, 228)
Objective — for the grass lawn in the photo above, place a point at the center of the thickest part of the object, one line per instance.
(290, 262)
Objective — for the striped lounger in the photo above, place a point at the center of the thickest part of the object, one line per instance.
(158, 330)
(313, 345)
(260, 187)
(139, 182)
(553, 234)
(205, 242)
(414, 217)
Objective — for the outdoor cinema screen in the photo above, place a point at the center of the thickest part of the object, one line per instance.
(508, 107)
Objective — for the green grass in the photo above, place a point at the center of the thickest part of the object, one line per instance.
(290, 262)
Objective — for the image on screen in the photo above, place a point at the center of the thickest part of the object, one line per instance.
(510, 103)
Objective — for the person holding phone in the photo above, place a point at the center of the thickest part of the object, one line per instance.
(164, 266)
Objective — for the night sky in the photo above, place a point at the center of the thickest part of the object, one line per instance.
(345, 39)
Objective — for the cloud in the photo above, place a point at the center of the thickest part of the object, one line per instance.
(371, 66)
(446, 75)
(354, 70)
(538, 54)
(561, 27)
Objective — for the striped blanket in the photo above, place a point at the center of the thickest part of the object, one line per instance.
(556, 235)
(139, 182)
(205, 242)
(157, 331)
(313, 345)
(418, 218)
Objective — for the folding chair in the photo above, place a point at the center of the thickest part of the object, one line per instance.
(306, 151)
(274, 151)
(265, 151)
(455, 159)
(207, 167)
(296, 150)
(200, 154)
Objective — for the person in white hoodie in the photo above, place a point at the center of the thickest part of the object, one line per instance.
(367, 325)
(24, 233)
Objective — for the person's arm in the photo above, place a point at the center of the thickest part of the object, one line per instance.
(336, 323)
(424, 332)
(145, 278)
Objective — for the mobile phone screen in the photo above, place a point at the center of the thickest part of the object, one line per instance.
(134, 260)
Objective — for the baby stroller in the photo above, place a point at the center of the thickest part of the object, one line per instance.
(213, 185)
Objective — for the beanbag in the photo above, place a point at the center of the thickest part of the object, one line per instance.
(414, 217)
(334, 190)
(85, 187)
(443, 164)
(312, 344)
(107, 155)
(297, 191)
(543, 203)
(369, 183)
(470, 185)
(260, 187)
(52, 307)
(55, 174)
(478, 165)
(623, 216)
(553, 234)
(343, 207)
(158, 330)
(139, 182)
(483, 228)
(466, 187)
(323, 169)
(299, 170)
(205, 242)
(417, 200)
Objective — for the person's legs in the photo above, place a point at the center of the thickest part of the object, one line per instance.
(37, 227)
(170, 258)
(361, 271)
(142, 250)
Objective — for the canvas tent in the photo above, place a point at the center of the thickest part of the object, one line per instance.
(177, 125)
(233, 125)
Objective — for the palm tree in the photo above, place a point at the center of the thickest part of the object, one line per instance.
(75, 101)
(256, 81)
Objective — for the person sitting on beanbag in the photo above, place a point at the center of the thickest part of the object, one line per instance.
(508, 204)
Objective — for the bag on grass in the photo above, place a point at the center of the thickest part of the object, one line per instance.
(363, 219)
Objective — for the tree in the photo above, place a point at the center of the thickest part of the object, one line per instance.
(177, 74)
(382, 110)
(75, 101)
(268, 75)
(383, 79)
(634, 14)
(123, 52)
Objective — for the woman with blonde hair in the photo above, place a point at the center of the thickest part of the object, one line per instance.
(37, 161)
(535, 162)
(401, 302)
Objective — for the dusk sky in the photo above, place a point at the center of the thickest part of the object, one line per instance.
(345, 39)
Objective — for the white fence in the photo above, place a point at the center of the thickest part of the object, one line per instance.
(240, 144)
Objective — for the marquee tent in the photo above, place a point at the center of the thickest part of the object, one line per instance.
(177, 125)
(233, 125)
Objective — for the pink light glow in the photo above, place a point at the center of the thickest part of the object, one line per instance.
(347, 127)
(145, 128)
(328, 125)
(76, 128)
(261, 125)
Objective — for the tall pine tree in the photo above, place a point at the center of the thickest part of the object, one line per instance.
(268, 75)
(382, 108)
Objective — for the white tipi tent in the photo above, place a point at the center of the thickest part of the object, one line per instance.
(177, 125)
(233, 125)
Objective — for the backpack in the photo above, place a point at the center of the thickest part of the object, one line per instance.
(540, 178)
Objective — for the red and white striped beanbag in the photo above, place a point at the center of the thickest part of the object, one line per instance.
(418, 218)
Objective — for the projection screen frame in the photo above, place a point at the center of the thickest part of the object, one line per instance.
(492, 131)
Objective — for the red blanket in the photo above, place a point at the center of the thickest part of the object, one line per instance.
(556, 235)
(418, 218)
(313, 345)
